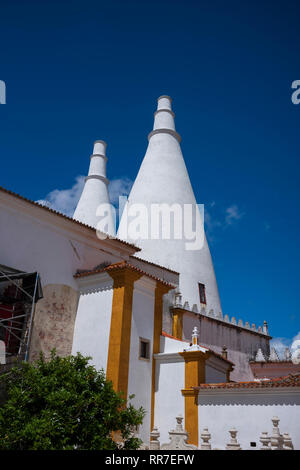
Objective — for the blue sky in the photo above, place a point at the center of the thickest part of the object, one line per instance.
(80, 71)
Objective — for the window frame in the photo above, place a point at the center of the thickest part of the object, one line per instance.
(203, 294)
(148, 350)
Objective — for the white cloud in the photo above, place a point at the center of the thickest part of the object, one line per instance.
(216, 218)
(119, 187)
(280, 344)
(232, 214)
(65, 200)
(211, 223)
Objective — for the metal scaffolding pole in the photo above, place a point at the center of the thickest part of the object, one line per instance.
(16, 317)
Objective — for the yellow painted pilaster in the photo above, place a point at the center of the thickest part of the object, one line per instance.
(194, 376)
(191, 415)
(120, 328)
(177, 327)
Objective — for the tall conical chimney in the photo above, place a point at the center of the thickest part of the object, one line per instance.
(95, 191)
(163, 179)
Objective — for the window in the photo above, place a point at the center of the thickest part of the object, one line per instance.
(202, 293)
(144, 349)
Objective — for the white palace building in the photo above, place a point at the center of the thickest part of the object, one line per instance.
(146, 309)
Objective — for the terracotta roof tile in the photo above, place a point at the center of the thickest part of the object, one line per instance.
(154, 264)
(291, 380)
(121, 264)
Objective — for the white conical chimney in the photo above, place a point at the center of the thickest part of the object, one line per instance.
(163, 179)
(95, 192)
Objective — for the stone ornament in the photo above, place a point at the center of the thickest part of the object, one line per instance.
(233, 444)
(178, 438)
(154, 439)
(205, 436)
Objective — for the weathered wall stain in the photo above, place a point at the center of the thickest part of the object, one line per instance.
(54, 320)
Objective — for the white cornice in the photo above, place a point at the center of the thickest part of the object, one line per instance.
(168, 357)
(94, 283)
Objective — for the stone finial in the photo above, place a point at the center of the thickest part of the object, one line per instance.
(195, 308)
(179, 419)
(240, 323)
(233, 444)
(265, 328)
(233, 320)
(276, 438)
(195, 340)
(178, 299)
(273, 355)
(178, 438)
(224, 352)
(186, 305)
(253, 327)
(259, 329)
(203, 311)
(195, 336)
(205, 436)
(226, 318)
(260, 356)
(287, 354)
(220, 316)
(287, 441)
(154, 439)
(265, 441)
(247, 325)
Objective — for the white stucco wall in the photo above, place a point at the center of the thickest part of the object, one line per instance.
(250, 412)
(170, 345)
(33, 239)
(169, 402)
(92, 325)
(140, 370)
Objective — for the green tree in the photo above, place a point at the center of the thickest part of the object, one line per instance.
(64, 403)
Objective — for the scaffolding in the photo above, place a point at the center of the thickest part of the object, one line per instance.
(19, 292)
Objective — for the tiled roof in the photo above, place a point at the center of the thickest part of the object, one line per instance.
(154, 264)
(291, 380)
(173, 337)
(34, 203)
(121, 264)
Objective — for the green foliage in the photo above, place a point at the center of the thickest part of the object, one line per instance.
(64, 403)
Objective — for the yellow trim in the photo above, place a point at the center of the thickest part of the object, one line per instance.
(120, 328)
(160, 290)
(177, 326)
(194, 376)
